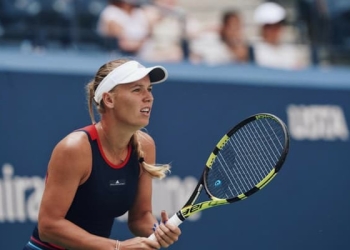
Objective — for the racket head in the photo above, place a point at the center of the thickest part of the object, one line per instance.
(246, 158)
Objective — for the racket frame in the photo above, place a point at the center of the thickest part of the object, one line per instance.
(190, 208)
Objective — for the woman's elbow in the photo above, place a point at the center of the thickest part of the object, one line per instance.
(45, 229)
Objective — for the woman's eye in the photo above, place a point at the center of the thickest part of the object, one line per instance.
(142, 89)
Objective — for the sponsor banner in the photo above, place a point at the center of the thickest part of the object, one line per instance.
(301, 207)
(20, 196)
(317, 122)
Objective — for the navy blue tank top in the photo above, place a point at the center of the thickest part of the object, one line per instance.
(109, 191)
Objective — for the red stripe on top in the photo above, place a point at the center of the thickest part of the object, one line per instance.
(91, 129)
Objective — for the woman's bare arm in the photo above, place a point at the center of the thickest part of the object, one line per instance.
(69, 167)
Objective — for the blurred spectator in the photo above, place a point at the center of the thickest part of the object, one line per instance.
(128, 23)
(232, 36)
(271, 51)
(172, 33)
(227, 43)
(164, 44)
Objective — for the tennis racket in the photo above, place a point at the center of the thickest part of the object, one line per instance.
(244, 160)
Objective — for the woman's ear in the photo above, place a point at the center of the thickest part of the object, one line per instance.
(108, 100)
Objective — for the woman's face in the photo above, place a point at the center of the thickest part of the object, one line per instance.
(133, 103)
(233, 25)
(272, 32)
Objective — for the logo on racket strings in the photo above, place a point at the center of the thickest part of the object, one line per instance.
(217, 183)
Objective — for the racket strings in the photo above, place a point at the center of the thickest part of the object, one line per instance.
(246, 159)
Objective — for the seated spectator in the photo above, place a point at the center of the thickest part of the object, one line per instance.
(231, 35)
(172, 33)
(270, 51)
(128, 23)
(148, 31)
(164, 44)
(227, 43)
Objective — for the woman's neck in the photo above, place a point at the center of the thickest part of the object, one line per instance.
(115, 137)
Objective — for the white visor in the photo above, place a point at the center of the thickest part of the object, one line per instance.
(128, 72)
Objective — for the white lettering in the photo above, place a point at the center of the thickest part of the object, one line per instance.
(317, 122)
(34, 199)
(2, 203)
(170, 194)
(19, 196)
(7, 172)
(22, 184)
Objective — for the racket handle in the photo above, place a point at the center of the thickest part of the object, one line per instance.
(174, 220)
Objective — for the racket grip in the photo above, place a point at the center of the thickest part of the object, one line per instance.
(174, 220)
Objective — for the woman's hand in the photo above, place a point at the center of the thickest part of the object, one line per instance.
(166, 233)
(139, 243)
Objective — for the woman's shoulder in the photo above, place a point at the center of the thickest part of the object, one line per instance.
(76, 141)
(72, 156)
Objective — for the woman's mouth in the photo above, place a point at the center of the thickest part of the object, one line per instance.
(146, 111)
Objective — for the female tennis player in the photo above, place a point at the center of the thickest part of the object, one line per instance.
(104, 170)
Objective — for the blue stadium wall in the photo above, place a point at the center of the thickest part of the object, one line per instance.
(306, 207)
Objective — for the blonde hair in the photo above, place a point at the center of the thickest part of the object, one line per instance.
(155, 170)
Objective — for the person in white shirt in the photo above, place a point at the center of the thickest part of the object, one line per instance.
(227, 42)
(271, 51)
(150, 31)
(128, 23)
